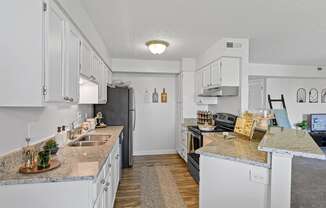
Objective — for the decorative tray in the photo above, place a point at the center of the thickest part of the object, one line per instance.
(53, 164)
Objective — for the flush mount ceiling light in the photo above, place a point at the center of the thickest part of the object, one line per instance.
(157, 46)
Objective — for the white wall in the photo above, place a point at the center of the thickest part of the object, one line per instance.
(155, 122)
(14, 122)
(227, 105)
(286, 79)
(145, 66)
(291, 71)
(277, 86)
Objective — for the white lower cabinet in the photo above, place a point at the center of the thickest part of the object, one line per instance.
(82, 194)
(231, 184)
(106, 186)
(182, 148)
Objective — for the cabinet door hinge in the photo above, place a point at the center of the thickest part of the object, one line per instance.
(44, 90)
(45, 7)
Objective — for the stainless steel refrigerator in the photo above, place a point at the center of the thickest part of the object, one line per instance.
(120, 110)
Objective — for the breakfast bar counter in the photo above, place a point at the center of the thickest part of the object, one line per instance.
(292, 142)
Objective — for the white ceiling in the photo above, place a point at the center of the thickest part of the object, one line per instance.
(281, 31)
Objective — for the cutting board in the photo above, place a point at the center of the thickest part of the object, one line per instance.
(245, 126)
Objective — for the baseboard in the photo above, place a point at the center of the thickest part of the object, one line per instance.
(156, 152)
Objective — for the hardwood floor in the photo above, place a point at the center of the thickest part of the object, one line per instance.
(129, 192)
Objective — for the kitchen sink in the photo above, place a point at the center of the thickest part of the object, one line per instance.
(90, 140)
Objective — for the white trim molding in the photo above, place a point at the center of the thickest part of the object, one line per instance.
(146, 66)
(156, 152)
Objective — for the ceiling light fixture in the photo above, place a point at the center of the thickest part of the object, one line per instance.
(157, 46)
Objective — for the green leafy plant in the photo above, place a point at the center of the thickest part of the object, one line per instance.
(303, 125)
(51, 146)
(43, 159)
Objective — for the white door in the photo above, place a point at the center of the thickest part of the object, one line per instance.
(206, 76)
(103, 84)
(257, 94)
(96, 65)
(71, 75)
(54, 54)
(86, 59)
(109, 76)
(215, 74)
(230, 71)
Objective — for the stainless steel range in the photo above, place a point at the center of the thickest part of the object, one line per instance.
(224, 123)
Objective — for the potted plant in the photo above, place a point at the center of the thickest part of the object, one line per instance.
(51, 146)
(43, 159)
(302, 125)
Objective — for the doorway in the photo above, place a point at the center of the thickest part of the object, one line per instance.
(257, 94)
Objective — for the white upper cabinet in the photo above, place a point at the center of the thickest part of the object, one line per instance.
(199, 86)
(215, 74)
(96, 67)
(21, 64)
(229, 71)
(103, 84)
(223, 72)
(86, 59)
(206, 76)
(72, 70)
(62, 55)
(55, 23)
(110, 75)
(46, 57)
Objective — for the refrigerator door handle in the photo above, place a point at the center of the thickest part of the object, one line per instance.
(135, 114)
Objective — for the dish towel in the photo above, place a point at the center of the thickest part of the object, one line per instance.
(281, 116)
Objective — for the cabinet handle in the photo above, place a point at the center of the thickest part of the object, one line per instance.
(109, 165)
(102, 181)
(107, 184)
(71, 99)
(106, 189)
(117, 157)
(66, 98)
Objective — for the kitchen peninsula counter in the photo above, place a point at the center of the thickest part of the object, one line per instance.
(236, 149)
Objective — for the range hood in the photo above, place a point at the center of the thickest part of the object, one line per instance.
(224, 91)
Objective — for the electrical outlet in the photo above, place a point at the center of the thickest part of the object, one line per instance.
(259, 175)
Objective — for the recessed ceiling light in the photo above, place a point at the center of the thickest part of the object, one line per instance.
(157, 46)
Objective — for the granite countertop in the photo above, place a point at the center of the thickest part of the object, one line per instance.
(236, 149)
(78, 163)
(291, 141)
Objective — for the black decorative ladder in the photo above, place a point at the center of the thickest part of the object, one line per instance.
(270, 101)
